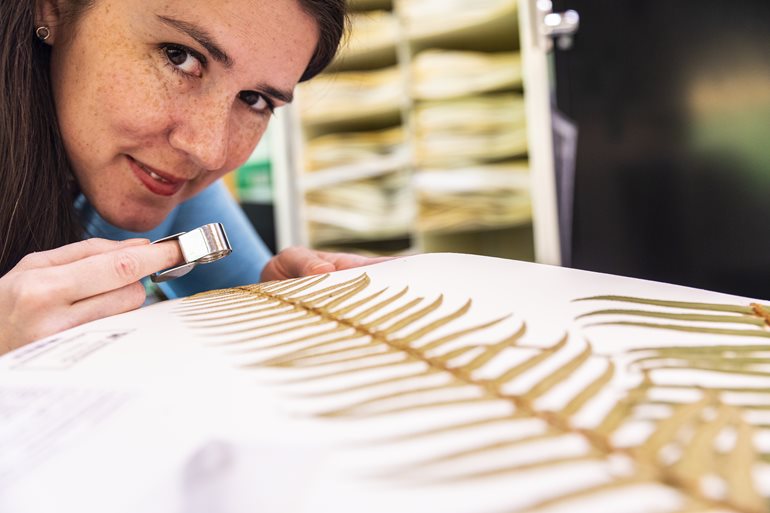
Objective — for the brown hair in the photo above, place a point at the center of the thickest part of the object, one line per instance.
(36, 181)
(332, 22)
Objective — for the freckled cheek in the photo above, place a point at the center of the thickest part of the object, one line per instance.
(243, 140)
(135, 98)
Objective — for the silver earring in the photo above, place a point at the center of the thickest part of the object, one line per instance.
(42, 32)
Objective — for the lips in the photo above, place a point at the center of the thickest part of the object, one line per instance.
(155, 181)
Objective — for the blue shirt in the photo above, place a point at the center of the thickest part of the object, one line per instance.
(214, 205)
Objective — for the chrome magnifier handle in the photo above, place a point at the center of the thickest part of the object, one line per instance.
(199, 246)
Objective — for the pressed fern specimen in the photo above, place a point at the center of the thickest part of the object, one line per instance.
(702, 447)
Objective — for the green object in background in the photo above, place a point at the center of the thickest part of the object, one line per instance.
(152, 293)
(253, 180)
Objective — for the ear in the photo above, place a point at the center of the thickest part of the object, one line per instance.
(48, 14)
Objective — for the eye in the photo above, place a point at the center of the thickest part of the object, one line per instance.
(184, 60)
(256, 101)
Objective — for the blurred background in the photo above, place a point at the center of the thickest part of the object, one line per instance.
(612, 135)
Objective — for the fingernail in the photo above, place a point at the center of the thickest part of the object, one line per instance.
(324, 266)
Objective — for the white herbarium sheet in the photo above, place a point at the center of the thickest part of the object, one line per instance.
(448, 383)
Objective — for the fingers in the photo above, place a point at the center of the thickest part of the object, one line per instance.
(273, 271)
(37, 300)
(112, 270)
(349, 261)
(297, 261)
(73, 252)
(109, 303)
(62, 317)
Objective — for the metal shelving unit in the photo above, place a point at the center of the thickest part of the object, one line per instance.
(384, 193)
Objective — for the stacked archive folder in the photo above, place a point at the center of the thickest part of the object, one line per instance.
(355, 179)
(485, 196)
(470, 129)
(422, 138)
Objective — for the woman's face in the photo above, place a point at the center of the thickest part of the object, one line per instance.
(156, 100)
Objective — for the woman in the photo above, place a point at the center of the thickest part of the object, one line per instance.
(118, 118)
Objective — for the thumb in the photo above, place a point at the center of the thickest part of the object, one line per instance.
(294, 263)
(317, 265)
(299, 261)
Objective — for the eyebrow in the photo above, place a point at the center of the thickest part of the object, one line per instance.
(284, 96)
(201, 36)
(207, 41)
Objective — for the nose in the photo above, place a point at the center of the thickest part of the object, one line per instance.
(202, 130)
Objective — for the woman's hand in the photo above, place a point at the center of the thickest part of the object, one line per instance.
(50, 291)
(297, 261)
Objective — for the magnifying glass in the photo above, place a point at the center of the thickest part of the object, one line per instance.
(199, 246)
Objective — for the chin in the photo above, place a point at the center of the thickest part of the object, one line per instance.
(140, 227)
(135, 222)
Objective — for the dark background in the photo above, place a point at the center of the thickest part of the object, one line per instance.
(672, 105)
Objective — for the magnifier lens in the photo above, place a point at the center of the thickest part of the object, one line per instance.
(203, 245)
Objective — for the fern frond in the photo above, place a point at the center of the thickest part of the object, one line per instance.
(739, 319)
(737, 472)
(487, 448)
(423, 406)
(433, 344)
(689, 329)
(336, 356)
(235, 299)
(353, 408)
(279, 326)
(754, 317)
(702, 365)
(671, 304)
(558, 375)
(530, 363)
(320, 335)
(356, 356)
(325, 376)
(459, 427)
(550, 463)
(593, 491)
(491, 351)
(309, 349)
(424, 372)
(356, 319)
(589, 392)
(330, 296)
(286, 287)
(316, 338)
(244, 316)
